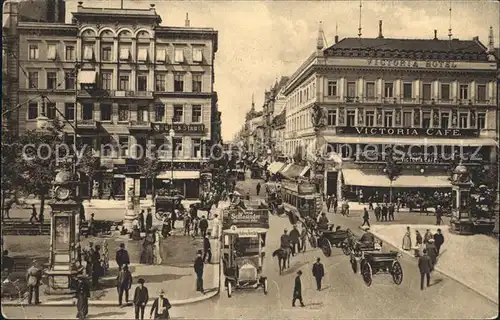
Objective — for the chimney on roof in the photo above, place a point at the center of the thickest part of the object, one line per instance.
(152, 6)
(187, 23)
(336, 33)
(380, 35)
(491, 45)
(80, 4)
(435, 34)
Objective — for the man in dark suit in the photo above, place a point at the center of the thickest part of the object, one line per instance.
(141, 298)
(122, 256)
(425, 267)
(366, 218)
(438, 240)
(384, 212)
(33, 278)
(123, 284)
(203, 226)
(198, 269)
(378, 212)
(149, 220)
(297, 290)
(160, 307)
(318, 273)
(207, 250)
(391, 211)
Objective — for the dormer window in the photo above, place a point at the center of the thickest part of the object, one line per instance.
(179, 55)
(142, 54)
(161, 55)
(51, 52)
(88, 52)
(197, 55)
(124, 54)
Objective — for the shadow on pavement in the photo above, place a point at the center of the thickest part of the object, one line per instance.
(105, 314)
(294, 268)
(436, 282)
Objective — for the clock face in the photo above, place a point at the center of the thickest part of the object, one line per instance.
(62, 193)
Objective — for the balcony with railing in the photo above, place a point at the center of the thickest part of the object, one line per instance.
(99, 93)
(139, 125)
(87, 124)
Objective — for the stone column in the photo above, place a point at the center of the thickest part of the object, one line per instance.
(130, 214)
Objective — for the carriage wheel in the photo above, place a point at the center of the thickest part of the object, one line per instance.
(354, 264)
(397, 273)
(345, 248)
(366, 272)
(265, 286)
(326, 247)
(159, 215)
(229, 289)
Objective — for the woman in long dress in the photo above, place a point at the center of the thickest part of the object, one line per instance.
(407, 240)
(147, 248)
(157, 251)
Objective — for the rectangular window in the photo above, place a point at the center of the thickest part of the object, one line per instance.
(106, 80)
(407, 119)
(51, 110)
(161, 55)
(196, 114)
(159, 113)
(160, 83)
(106, 111)
(351, 89)
(178, 113)
(197, 54)
(142, 54)
(106, 146)
(69, 80)
(388, 119)
(407, 91)
(88, 111)
(143, 114)
(123, 142)
(445, 120)
(51, 52)
(32, 111)
(33, 79)
(426, 91)
(179, 83)
(196, 148)
(124, 54)
(332, 88)
(142, 83)
(177, 147)
(332, 117)
(370, 90)
(197, 82)
(481, 93)
(88, 52)
(445, 92)
(463, 120)
(179, 55)
(124, 83)
(389, 90)
(426, 119)
(106, 53)
(464, 91)
(70, 53)
(481, 120)
(69, 111)
(123, 113)
(351, 118)
(370, 118)
(51, 80)
(33, 52)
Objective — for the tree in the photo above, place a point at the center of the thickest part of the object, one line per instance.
(391, 170)
(150, 168)
(89, 165)
(11, 180)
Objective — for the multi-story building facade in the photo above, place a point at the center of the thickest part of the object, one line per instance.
(361, 95)
(136, 80)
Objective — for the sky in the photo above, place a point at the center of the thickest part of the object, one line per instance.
(260, 41)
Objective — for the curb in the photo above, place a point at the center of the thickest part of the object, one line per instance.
(484, 295)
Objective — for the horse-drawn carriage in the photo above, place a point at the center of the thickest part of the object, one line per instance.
(330, 238)
(243, 242)
(166, 204)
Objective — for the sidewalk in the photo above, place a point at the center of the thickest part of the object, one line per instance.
(470, 260)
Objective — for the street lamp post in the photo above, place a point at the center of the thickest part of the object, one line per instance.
(171, 134)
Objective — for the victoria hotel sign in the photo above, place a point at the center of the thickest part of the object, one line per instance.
(435, 64)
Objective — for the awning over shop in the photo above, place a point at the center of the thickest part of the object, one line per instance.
(180, 175)
(409, 181)
(275, 167)
(87, 77)
(356, 177)
(473, 142)
(292, 171)
(118, 176)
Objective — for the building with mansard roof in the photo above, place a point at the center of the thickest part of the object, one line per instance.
(136, 80)
(429, 99)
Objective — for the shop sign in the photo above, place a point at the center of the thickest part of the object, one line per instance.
(421, 157)
(246, 218)
(416, 64)
(306, 188)
(179, 127)
(414, 132)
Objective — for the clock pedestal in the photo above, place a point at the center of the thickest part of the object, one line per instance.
(132, 200)
(64, 235)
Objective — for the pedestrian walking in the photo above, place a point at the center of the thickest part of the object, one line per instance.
(427, 236)
(149, 220)
(297, 290)
(140, 219)
(439, 215)
(160, 307)
(391, 211)
(215, 227)
(432, 252)
(122, 257)
(89, 252)
(303, 239)
(370, 203)
(294, 240)
(366, 218)
(92, 226)
(187, 224)
(195, 226)
(335, 204)
(34, 215)
(82, 296)
(141, 298)
(425, 267)
(96, 266)
(207, 250)
(407, 240)
(198, 269)
(33, 278)
(318, 272)
(40, 221)
(438, 240)
(123, 284)
(258, 188)
(384, 212)
(203, 225)
(328, 203)
(418, 238)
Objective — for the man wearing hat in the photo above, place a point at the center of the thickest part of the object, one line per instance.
(203, 225)
(425, 267)
(438, 240)
(207, 250)
(432, 252)
(160, 307)
(427, 236)
(198, 269)
(33, 277)
(122, 256)
(82, 297)
(297, 290)
(123, 284)
(141, 298)
(285, 240)
(318, 272)
(294, 239)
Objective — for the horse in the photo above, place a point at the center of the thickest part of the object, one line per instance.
(283, 257)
